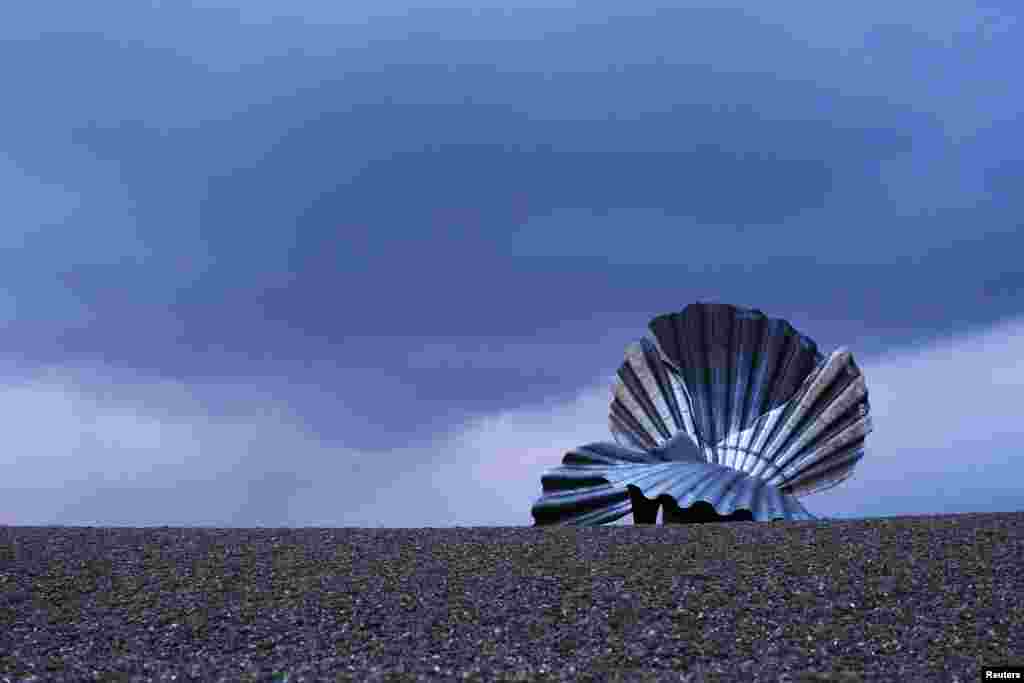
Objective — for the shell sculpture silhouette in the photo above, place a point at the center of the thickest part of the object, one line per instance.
(731, 415)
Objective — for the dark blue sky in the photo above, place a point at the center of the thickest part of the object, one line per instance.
(277, 263)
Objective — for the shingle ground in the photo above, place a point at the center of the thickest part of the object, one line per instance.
(895, 599)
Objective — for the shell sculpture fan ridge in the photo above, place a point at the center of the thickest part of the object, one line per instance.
(730, 415)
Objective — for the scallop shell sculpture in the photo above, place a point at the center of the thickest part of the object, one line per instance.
(731, 415)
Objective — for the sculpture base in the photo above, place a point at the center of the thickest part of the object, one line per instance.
(645, 511)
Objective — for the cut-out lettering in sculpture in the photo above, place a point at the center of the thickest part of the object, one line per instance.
(728, 415)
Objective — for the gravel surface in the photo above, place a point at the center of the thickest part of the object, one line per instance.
(910, 598)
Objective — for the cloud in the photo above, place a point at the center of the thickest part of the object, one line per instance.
(85, 448)
(431, 145)
(948, 429)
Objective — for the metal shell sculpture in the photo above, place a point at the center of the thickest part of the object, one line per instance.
(731, 415)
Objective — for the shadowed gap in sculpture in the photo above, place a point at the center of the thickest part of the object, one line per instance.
(645, 511)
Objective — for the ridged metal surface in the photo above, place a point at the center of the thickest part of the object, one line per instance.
(592, 487)
(729, 408)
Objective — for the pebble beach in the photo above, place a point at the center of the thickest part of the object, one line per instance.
(891, 599)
